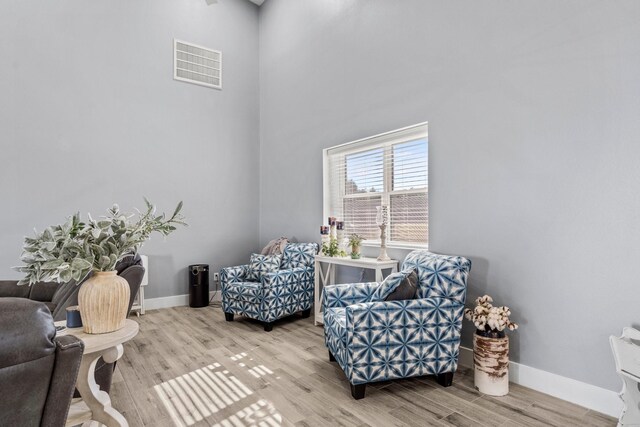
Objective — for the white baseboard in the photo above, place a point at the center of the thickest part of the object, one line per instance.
(174, 301)
(583, 394)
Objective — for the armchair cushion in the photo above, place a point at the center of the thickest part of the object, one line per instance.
(298, 255)
(260, 265)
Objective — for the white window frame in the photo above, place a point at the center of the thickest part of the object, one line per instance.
(388, 139)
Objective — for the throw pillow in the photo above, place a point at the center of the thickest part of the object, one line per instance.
(275, 246)
(407, 288)
(389, 285)
(260, 265)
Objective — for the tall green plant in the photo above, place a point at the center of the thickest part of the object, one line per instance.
(69, 251)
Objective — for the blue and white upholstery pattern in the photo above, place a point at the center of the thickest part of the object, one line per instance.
(298, 255)
(262, 264)
(376, 340)
(278, 294)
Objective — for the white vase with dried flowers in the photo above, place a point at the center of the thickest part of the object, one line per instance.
(490, 346)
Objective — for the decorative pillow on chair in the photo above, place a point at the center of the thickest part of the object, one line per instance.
(389, 285)
(407, 288)
(260, 265)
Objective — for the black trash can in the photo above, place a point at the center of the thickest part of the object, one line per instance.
(199, 285)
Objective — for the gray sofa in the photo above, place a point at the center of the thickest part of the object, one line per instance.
(38, 370)
(57, 297)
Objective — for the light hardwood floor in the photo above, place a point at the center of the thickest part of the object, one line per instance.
(190, 367)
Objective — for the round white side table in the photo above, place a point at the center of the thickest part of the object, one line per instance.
(95, 404)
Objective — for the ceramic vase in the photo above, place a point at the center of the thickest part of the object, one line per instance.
(491, 364)
(103, 301)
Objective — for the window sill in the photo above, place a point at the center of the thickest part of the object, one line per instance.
(395, 245)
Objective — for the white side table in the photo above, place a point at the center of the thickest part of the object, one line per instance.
(95, 404)
(626, 353)
(138, 302)
(328, 277)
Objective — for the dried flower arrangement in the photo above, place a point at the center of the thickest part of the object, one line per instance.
(490, 321)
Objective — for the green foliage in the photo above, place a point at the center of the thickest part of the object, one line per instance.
(69, 251)
(355, 240)
(332, 249)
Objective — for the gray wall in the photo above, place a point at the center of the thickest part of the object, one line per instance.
(90, 115)
(533, 126)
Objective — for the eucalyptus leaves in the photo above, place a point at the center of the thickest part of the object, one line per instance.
(69, 251)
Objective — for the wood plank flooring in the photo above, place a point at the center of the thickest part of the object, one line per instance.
(189, 367)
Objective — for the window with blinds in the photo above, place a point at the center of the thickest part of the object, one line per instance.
(389, 169)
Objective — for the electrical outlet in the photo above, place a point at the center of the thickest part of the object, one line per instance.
(216, 277)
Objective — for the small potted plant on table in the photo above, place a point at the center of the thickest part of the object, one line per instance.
(355, 241)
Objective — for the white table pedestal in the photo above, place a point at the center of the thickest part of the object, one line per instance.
(95, 405)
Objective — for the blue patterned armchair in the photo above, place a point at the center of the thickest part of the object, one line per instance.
(277, 294)
(376, 340)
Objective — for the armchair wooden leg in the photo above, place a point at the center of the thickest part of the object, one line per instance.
(445, 380)
(228, 317)
(331, 358)
(268, 326)
(357, 391)
(306, 313)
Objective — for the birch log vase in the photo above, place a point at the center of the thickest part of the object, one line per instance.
(491, 365)
(103, 301)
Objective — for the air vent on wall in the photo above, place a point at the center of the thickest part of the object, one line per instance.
(197, 64)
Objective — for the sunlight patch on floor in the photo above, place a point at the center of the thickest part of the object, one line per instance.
(260, 370)
(261, 413)
(199, 394)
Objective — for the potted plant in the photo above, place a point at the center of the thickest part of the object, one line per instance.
(354, 241)
(73, 250)
(332, 249)
(490, 346)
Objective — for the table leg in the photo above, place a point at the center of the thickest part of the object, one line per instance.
(332, 274)
(97, 400)
(378, 274)
(317, 294)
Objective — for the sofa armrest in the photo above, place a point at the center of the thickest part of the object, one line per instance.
(10, 288)
(43, 291)
(233, 274)
(293, 276)
(63, 380)
(347, 294)
(434, 319)
(449, 312)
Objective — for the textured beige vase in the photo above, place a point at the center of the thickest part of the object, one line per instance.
(103, 301)
(491, 365)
